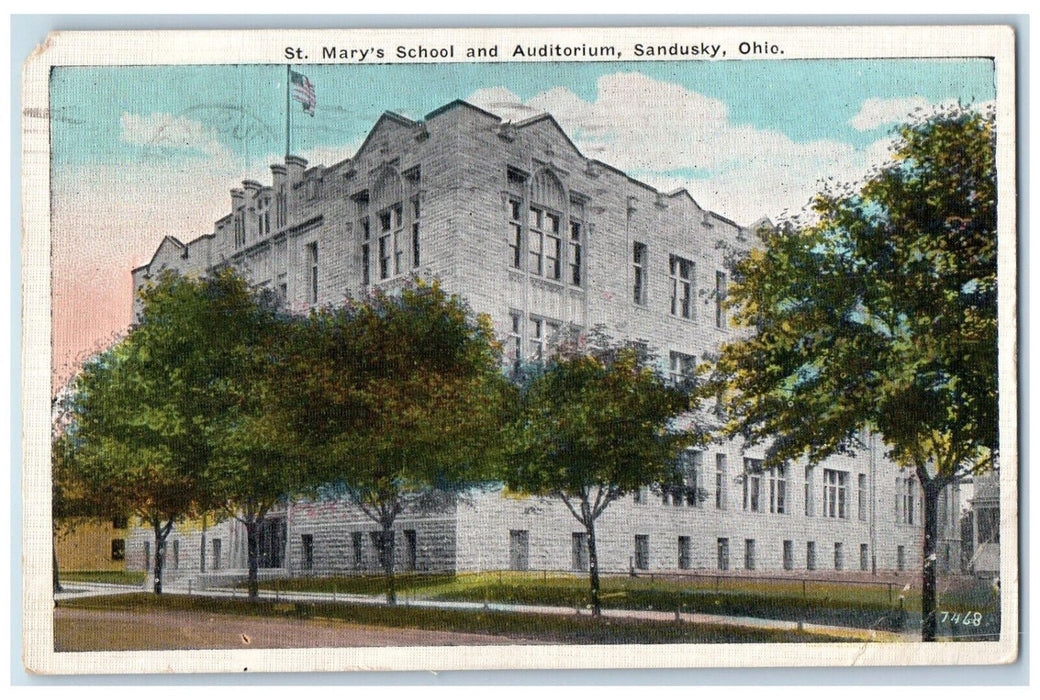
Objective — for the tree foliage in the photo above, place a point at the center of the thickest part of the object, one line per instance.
(591, 427)
(160, 421)
(396, 398)
(880, 314)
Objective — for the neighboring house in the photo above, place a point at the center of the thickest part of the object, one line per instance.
(92, 545)
(540, 237)
(983, 526)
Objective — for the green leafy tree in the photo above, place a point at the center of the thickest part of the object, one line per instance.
(150, 417)
(880, 315)
(396, 399)
(593, 426)
(255, 462)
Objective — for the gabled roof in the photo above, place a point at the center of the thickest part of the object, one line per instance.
(385, 118)
(167, 241)
(683, 191)
(545, 116)
(460, 103)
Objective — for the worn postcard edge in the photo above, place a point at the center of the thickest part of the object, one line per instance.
(264, 46)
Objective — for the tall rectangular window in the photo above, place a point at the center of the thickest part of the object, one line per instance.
(839, 556)
(366, 252)
(688, 489)
(307, 548)
(118, 549)
(681, 367)
(544, 242)
(987, 525)
(864, 557)
(579, 551)
(416, 256)
(905, 500)
(518, 551)
(749, 555)
(553, 246)
(901, 558)
(862, 497)
(215, 564)
(357, 543)
(176, 554)
(575, 253)
(516, 232)
(720, 481)
(389, 243)
(399, 243)
(312, 272)
(720, 299)
(281, 207)
(411, 550)
(810, 556)
(722, 554)
(752, 484)
(642, 557)
(778, 490)
(639, 269)
(540, 331)
(685, 548)
(681, 272)
(835, 494)
(810, 498)
(788, 555)
(263, 216)
(240, 228)
(537, 331)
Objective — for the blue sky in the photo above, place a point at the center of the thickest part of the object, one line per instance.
(804, 100)
(139, 153)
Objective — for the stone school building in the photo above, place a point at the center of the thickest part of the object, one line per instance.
(527, 229)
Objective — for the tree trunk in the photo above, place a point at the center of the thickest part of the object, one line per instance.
(54, 554)
(386, 542)
(931, 531)
(253, 549)
(160, 557)
(594, 600)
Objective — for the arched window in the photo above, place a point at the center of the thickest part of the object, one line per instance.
(545, 225)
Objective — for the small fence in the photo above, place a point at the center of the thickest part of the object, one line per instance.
(893, 589)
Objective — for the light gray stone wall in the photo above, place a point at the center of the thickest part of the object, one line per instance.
(463, 155)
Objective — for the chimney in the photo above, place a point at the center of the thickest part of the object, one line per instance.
(295, 165)
(277, 175)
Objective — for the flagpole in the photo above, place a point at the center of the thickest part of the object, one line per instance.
(288, 82)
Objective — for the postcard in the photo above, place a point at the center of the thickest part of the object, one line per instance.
(507, 348)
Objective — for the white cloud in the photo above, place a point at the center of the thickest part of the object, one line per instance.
(876, 112)
(655, 129)
(168, 131)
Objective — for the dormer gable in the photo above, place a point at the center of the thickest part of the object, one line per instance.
(389, 128)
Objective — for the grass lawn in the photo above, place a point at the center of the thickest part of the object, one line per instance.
(561, 629)
(134, 578)
(821, 603)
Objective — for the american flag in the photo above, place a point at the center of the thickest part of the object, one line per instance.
(303, 91)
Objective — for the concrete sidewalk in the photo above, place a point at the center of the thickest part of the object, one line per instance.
(80, 590)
